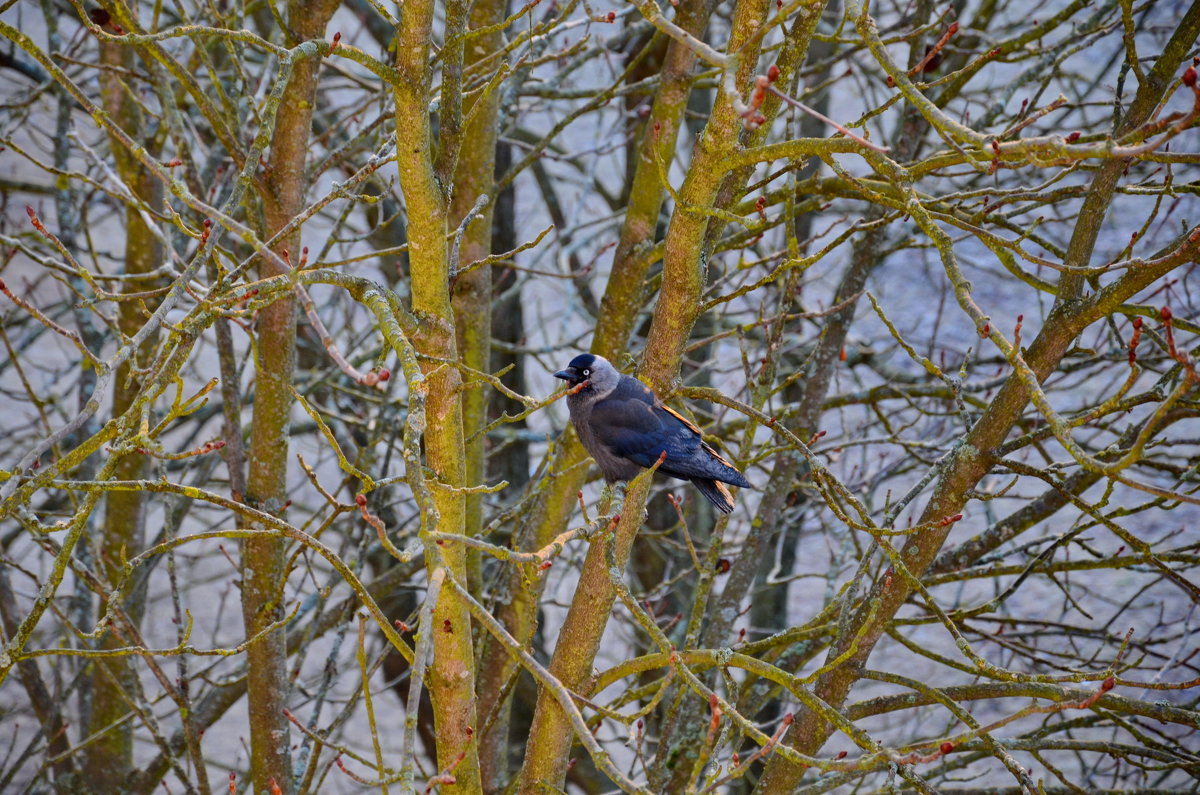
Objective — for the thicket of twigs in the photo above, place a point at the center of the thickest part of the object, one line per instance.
(288, 502)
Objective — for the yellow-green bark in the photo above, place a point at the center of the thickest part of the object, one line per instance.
(451, 677)
(973, 458)
(471, 297)
(471, 292)
(110, 757)
(675, 314)
(264, 575)
(623, 299)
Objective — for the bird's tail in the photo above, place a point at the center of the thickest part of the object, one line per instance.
(716, 493)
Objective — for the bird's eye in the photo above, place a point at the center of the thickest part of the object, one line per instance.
(587, 372)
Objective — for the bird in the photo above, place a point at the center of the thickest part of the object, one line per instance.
(626, 429)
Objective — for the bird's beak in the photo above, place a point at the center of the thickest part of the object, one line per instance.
(570, 374)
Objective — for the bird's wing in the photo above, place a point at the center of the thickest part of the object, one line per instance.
(701, 459)
(700, 455)
(690, 425)
(632, 424)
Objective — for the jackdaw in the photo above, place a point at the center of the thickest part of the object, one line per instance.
(626, 428)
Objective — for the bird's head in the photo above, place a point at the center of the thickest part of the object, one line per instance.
(596, 370)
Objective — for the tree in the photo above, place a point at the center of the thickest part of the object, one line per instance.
(281, 316)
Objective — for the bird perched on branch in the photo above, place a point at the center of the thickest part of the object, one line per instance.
(626, 428)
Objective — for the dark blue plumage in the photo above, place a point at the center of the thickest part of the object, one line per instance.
(626, 428)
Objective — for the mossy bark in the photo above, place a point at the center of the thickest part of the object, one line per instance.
(426, 178)
(109, 759)
(471, 297)
(973, 459)
(675, 314)
(622, 303)
(264, 574)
